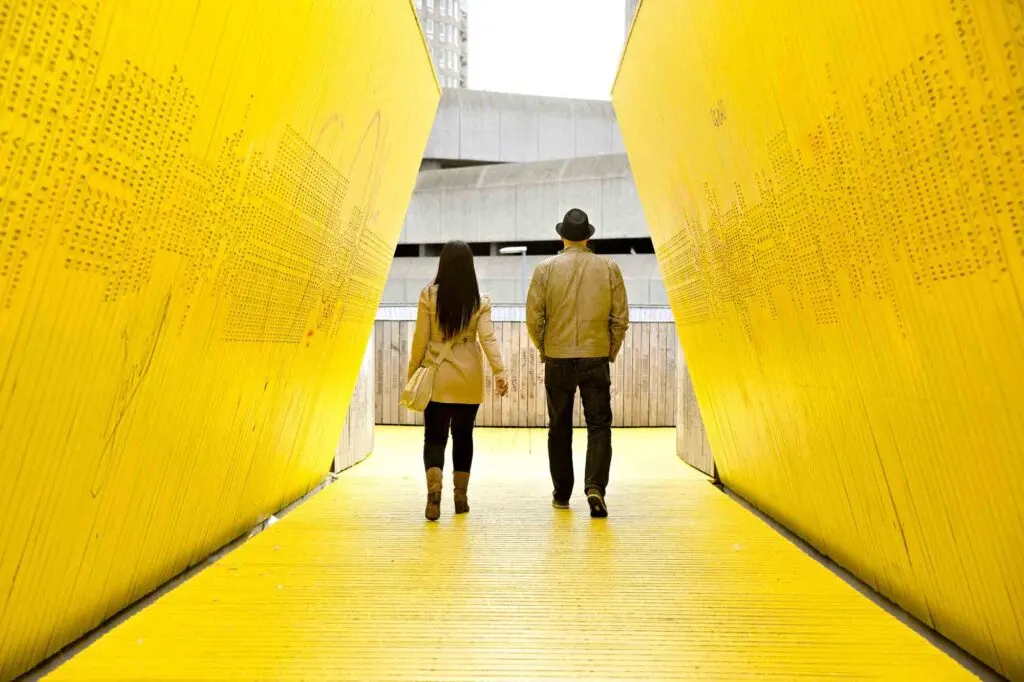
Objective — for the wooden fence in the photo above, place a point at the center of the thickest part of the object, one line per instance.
(644, 377)
(357, 440)
(691, 437)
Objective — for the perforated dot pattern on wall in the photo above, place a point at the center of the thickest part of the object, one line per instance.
(198, 207)
(835, 194)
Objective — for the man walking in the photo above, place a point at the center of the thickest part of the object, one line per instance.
(577, 315)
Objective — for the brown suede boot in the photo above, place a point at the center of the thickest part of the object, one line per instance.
(461, 486)
(434, 479)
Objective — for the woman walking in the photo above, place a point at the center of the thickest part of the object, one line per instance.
(452, 310)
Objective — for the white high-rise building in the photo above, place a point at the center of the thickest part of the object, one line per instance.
(446, 29)
(630, 11)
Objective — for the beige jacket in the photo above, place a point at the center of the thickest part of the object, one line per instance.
(576, 306)
(460, 378)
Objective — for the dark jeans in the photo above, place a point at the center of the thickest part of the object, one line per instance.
(438, 418)
(593, 378)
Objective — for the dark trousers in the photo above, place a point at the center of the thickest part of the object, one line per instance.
(438, 419)
(593, 378)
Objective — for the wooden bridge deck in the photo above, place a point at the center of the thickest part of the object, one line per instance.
(680, 583)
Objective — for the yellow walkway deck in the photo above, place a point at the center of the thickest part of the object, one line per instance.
(680, 583)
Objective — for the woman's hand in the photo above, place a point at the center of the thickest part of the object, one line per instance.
(501, 386)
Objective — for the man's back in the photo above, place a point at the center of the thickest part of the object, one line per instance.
(577, 314)
(577, 306)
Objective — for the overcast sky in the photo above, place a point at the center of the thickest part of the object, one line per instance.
(561, 48)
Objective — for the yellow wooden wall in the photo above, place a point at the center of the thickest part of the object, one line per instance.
(835, 193)
(199, 202)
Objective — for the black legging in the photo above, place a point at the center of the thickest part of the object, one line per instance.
(438, 418)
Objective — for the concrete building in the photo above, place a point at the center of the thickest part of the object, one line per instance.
(474, 127)
(501, 170)
(521, 202)
(446, 29)
(501, 277)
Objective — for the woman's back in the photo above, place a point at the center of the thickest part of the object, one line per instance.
(451, 309)
(452, 313)
(460, 379)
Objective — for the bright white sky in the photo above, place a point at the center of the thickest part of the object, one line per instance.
(559, 48)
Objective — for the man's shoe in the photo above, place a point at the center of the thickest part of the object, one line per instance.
(558, 504)
(598, 509)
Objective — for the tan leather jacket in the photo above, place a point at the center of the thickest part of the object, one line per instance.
(576, 306)
(460, 379)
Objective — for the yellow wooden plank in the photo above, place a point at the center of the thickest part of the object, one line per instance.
(532, 360)
(665, 403)
(405, 416)
(541, 412)
(836, 206)
(618, 391)
(515, 331)
(487, 409)
(378, 377)
(391, 395)
(626, 358)
(643, 385)
(355, 585)
(656, 377)
(501, 405)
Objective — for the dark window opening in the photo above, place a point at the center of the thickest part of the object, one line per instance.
(607, 247)
(622, 246)
(545, 248)
(445, 164)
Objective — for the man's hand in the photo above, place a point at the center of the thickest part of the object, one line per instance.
(501, 386)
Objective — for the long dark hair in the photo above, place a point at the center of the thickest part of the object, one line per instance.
(458, 294)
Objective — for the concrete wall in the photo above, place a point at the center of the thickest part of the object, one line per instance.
(524, 201)
(473, 125)
(501, 278)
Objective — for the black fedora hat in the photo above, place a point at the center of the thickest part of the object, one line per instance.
(575, 226)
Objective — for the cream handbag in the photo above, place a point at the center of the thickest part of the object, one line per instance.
(417, 392)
